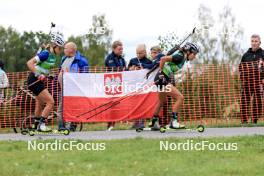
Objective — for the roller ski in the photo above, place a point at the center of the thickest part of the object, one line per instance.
(32, 132)
(39, 127)
(175, 126)
(152, 126)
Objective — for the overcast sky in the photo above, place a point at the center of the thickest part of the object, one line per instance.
(133, 21)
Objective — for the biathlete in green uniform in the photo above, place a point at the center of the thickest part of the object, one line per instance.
(40, 66)
(168, 66)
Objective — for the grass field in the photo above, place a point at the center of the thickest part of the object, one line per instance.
(136, 157)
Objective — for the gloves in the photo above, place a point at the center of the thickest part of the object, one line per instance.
(42, 77)
(161, 76)
(162, 79)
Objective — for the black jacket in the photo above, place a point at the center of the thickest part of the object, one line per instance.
(248, 66)
(112, 60)
(251, 56)
(144, 62)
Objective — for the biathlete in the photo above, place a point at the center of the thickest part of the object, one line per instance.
(168, 66)
(40, 66)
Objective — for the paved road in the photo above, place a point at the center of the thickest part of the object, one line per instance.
(129, 134)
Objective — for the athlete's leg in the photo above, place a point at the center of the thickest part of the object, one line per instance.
(161, 100)
(176, 94)
(45, 97)
(39, 107)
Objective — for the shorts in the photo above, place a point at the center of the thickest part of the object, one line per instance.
(35, 87)
(161, 82)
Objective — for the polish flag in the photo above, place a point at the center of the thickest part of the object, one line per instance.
(108, 97)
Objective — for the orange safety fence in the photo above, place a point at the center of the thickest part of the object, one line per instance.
(213, 94)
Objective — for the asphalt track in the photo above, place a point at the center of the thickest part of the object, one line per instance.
(130, 134)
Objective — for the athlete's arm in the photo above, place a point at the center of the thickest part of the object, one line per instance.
(40, 57)
(163, 60)
(31, 64)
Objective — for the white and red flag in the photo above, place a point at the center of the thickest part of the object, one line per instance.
(108, 97)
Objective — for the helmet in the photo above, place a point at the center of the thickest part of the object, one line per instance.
(192, 47)
(57, 38)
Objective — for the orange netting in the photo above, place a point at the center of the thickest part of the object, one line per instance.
(213, 94)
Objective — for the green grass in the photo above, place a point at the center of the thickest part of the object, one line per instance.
(135, 157)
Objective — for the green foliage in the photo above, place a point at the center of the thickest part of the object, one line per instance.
(210, 91)
(96, 43)
(168, 41)
(136, 157)
(219, 40)
(16, 49)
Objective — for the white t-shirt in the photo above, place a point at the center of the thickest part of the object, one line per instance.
(3, 79)
(3, 83)
(65, 67)
(67, 64)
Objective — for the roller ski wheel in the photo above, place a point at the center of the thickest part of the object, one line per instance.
(200, 128)
(74, 126)
(31, 133)
(24, 132)
(163, 129)
(139, 130)
(66, 132)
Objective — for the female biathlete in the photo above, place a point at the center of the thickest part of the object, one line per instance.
(168, 66)
(40, 66)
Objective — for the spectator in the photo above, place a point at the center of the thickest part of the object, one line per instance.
(73, 62)
(141, 61)
(156, 54)
(115, 62)
(3, 81)
(249, 74)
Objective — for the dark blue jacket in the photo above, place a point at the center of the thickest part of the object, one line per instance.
(156, 60)
(112, 60)
(79, 64)
(144, 62)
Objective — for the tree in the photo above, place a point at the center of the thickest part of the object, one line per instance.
(16, 49)
(31, 41)
(10, 48)
(218, 43)
(168, 41)
(231, 37)
(99, 44)
(96, 43)
(204, 38)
